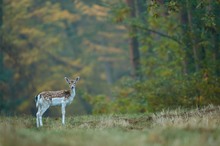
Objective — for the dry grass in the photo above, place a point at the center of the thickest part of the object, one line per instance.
(207, 117)
(197, 127)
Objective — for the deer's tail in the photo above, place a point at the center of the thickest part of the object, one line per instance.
(37, 98)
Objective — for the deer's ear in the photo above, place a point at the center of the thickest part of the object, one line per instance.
(77, 79)
(67, 80)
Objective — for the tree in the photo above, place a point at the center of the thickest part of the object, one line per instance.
(133, 41)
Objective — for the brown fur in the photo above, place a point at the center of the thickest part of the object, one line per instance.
(55, 94)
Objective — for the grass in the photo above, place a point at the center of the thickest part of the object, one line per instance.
(197, 127)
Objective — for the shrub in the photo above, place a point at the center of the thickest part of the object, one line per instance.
(133, 96)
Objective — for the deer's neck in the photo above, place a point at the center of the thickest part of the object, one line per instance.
(72, 94)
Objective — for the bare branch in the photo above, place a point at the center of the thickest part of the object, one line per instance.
(158, 33)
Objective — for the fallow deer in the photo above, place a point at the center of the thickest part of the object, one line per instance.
(55, 98)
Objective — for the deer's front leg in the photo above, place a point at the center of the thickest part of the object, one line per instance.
(63, 112)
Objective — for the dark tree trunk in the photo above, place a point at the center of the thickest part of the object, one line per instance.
(195, 54)
(1, 13)
(188, 56)
(216, 39)
(133, 43)
(192, 36)
(217, 54)
(1, 37)
(3, 91)
(134, 54)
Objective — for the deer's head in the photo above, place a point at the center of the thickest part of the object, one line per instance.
(72, 83)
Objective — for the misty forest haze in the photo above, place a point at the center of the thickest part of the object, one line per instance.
(132, 56)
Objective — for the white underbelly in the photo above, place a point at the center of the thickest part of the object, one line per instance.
(57, 101)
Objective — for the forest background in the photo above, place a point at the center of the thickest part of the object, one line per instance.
(133, 56)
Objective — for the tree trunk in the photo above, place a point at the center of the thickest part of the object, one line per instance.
(216, 53)
(188, 59)
(216, 40)
(109, 73)
(1, 37)
(133, 43)
(1, 13)
(192, 36)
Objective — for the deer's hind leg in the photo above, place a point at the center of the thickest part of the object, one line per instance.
(40, 113)
(38, 116)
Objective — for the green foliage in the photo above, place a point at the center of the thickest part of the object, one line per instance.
(101, 103)
(156, 94)
(119, 12)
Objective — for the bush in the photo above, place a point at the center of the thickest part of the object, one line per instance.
(133, 96)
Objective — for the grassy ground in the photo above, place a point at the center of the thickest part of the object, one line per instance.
(169, 128)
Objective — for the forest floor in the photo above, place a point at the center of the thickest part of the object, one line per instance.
(180, 127)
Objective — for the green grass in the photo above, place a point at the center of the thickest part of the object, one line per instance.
(169, 128)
